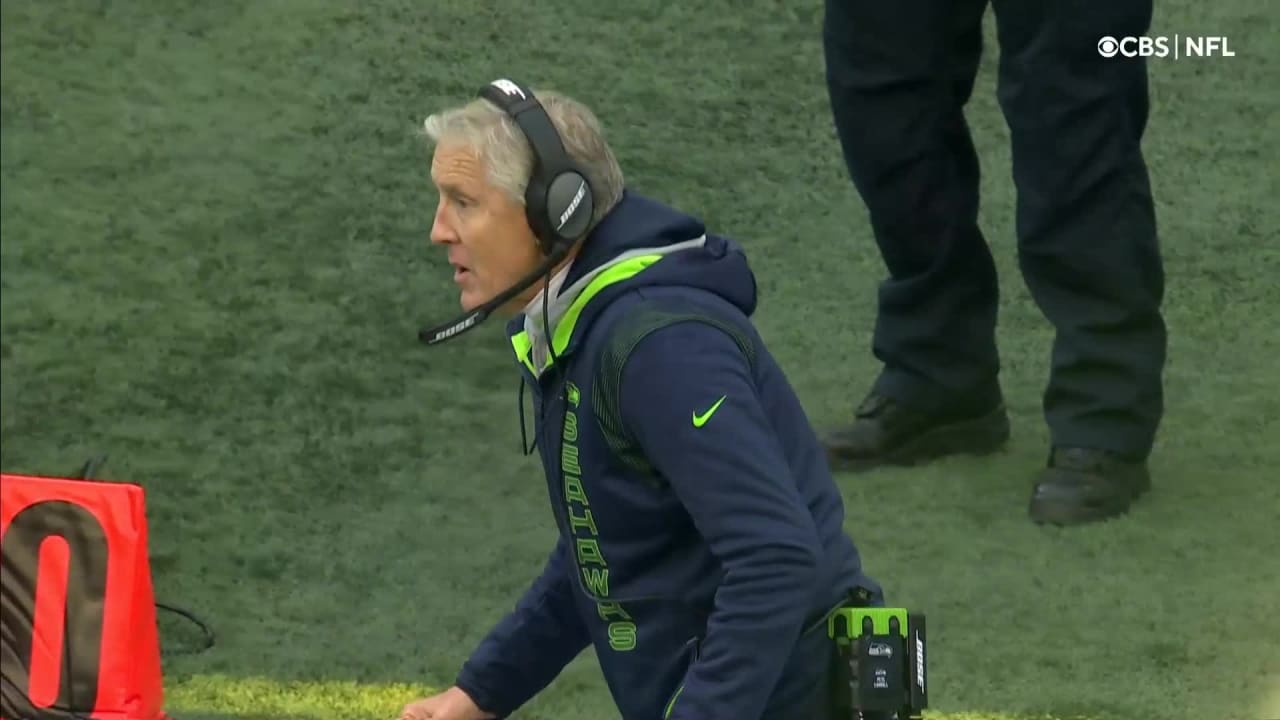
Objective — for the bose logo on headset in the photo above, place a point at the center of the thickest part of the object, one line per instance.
(573, 205)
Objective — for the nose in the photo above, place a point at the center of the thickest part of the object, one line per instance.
(442, 232)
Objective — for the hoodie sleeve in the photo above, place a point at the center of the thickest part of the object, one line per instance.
(529, 647)
(688, 399)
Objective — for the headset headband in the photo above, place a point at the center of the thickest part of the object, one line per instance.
(559, 201)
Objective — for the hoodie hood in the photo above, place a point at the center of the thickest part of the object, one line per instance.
(640, 243)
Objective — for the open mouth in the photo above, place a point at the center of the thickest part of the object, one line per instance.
(460, 272)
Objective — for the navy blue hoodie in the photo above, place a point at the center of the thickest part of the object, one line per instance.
(701, 534)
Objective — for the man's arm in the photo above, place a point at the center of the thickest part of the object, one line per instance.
(530, 646)
(688, 399)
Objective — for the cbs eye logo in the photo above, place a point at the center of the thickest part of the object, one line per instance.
(1108, 47)
(1134, 47)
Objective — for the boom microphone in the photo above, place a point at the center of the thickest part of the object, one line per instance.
(471, 319)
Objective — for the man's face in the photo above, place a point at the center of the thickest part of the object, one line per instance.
(488, 237)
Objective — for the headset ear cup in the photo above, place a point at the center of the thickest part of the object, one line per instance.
(535, 206)
(570, 205)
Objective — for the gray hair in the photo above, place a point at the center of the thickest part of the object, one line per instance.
(500, 144)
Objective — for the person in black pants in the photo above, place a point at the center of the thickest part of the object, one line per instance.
(899, 74)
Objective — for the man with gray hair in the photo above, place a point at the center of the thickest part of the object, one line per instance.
(701, 541)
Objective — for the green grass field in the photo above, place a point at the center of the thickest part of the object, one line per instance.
(215, 261)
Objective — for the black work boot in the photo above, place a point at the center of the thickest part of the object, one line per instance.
(1081, 485)
(886, 432)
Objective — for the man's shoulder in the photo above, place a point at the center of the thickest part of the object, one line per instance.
(644, 310)
(641, 312)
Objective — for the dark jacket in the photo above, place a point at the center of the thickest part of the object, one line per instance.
(701, 533)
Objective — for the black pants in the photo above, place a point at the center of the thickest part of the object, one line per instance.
(899, 74)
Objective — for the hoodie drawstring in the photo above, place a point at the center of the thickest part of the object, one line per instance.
(525, 447)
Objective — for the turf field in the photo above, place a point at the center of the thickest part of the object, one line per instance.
(215, 260)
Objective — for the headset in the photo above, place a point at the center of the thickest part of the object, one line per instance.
(559, 201)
